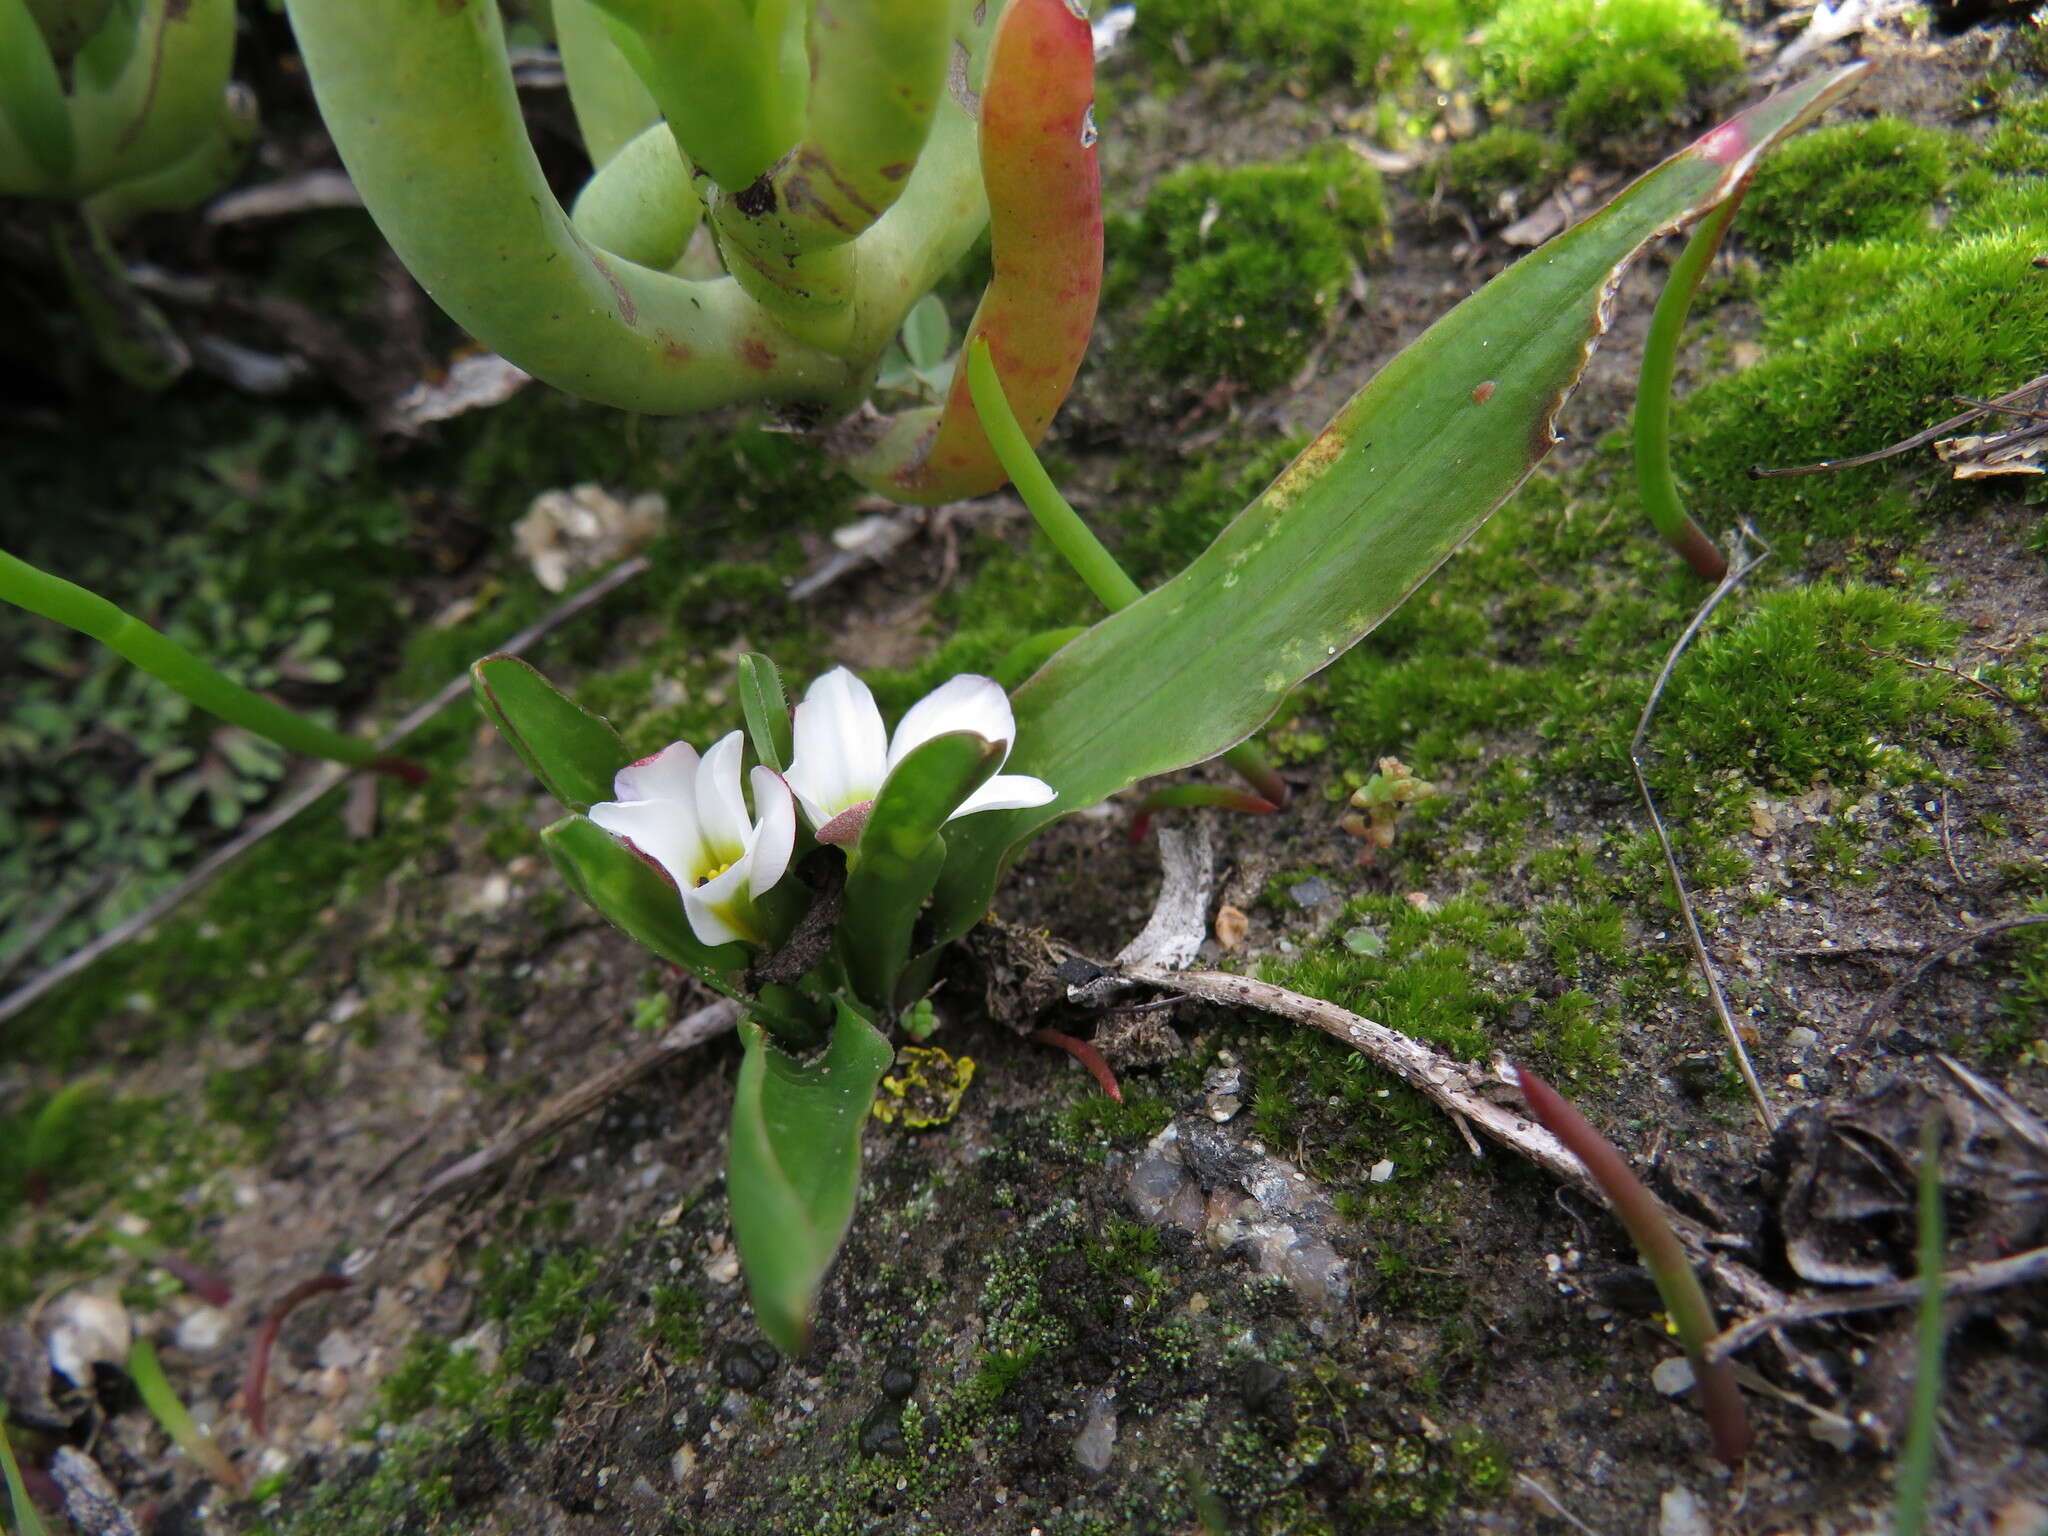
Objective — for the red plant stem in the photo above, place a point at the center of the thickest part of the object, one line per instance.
(1651, 1231)
(403, 769)
(1195, 794)
(266, 1340)
(1085, 1054)
(196, 1278)
(1045, 235)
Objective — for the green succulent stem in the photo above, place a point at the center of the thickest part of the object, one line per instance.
(1656, 481)
(1074, 539)
(611, 104)
(170, 663)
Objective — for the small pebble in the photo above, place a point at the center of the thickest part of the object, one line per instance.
(1382, 1170)
(1672, 1376)
(881, 1432)
(745, 1367)
(899, 1374)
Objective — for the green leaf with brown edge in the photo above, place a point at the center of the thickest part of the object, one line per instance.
(1402, 476)
(793, 1167)
(900, 853)
(572, 752)
(766, 708)
(637, 899)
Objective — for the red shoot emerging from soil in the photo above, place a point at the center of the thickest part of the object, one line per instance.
(1085, 1054)
(266, 1340)
(1643, 1214)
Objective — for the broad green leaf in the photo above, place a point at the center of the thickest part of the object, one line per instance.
(793, 1168)
(1415, 462)
(1027, 656)
(926, 332)
(766, 708)
(636, 898)
(572, 752)
(900, 855)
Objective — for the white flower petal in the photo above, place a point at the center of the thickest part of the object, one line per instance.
(963, 703)
(841, 749)
(774, 833)
(721, 911)
(664, 830)
(671, 774)
(721, 812)
(1008, 792)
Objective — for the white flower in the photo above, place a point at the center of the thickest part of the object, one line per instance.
(686, 814)
(843, 752)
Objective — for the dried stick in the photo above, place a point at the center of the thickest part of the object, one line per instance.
(2003, 404)
(317, 783)
(1450, 1086)
(1635, 762)
(1989, 1275)
(686, 1034)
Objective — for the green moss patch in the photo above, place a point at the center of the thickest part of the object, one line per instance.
(1499, 171)
(1611, 66)
(1814, 683)
(1256, 257)
(1871, 180)
(1313, 42)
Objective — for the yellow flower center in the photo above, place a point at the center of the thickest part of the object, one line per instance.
(706, 879)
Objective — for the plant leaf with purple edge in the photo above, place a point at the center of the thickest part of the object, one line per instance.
(1402, 476)
(572, 752)
(636, 898)
(793, 1168)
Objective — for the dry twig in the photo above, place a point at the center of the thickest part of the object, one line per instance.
(1990, 1275)
(686, 1034)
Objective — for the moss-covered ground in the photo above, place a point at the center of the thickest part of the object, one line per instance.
(1849, 756)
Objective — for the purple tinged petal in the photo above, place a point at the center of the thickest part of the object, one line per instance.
(664, 830)
(671, 774)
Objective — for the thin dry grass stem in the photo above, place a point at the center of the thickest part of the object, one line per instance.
(2007, 404)
(1969, 1280)
(316, 784)
(1744, 564)
(1927, 962)
(1989, 690)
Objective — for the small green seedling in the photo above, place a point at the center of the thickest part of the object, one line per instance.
(169, 1411)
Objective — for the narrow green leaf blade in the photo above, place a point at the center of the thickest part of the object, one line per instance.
(766, 708)
(572, 752)
(900, 855)
(1400, 478)
(793, 1168)
(635, 898)
(920, 793)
